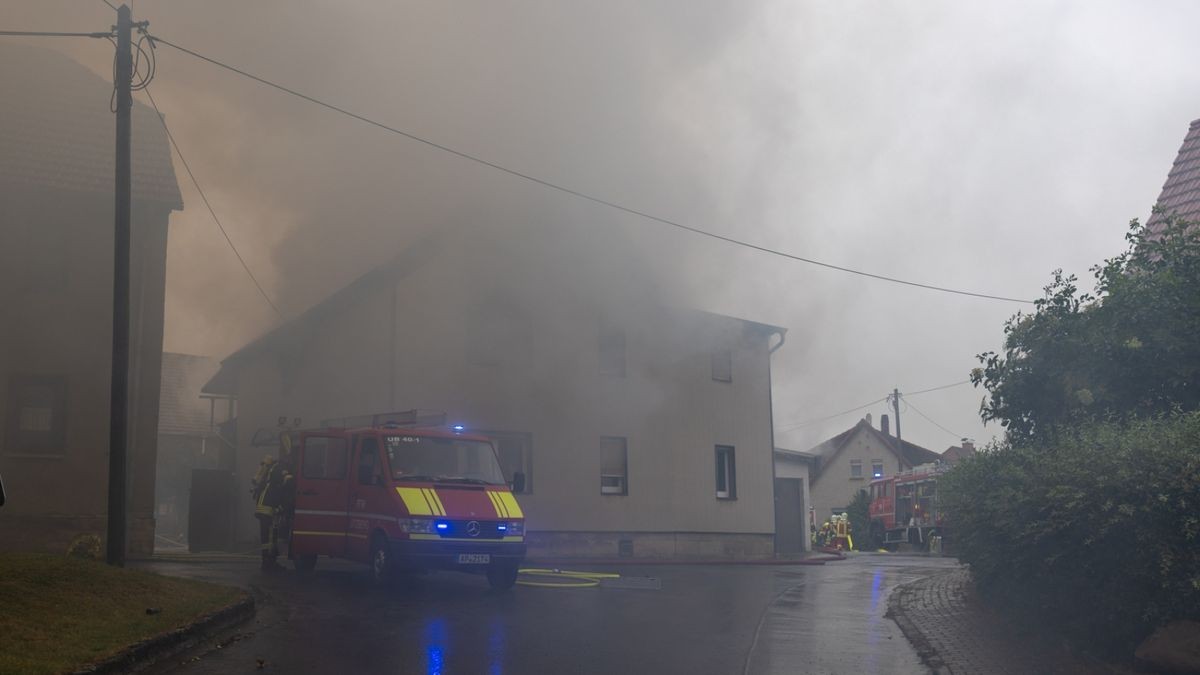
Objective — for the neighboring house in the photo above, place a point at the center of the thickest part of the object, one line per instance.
(56, 242)
(642, 431)
(1181, 193)
(792, 501)
(189, 438)
(956, 453)
(849, 461)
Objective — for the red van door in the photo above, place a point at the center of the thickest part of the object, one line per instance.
(370, 502)
(321, 492)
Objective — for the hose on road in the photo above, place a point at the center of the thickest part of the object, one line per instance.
(563, 578)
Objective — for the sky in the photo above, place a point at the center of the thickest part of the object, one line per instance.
(971, 145)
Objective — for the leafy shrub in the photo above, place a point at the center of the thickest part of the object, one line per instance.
(1098, 536)
(859, 512)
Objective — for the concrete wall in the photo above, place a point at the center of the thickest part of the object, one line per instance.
(833, 488)
(56, 321)
(405, 346)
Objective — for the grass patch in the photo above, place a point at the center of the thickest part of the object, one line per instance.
(58, 614)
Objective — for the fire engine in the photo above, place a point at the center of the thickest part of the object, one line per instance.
(904, 507)
(400, 493)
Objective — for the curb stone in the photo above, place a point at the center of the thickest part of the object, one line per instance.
(152, 650)
(925, 650)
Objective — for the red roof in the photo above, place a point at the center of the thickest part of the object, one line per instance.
(1181, 193)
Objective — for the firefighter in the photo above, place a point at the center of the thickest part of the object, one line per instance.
(267, 491)
(286, 509)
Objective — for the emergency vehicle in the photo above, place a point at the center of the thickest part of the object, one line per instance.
(404, 497)
(904, 507)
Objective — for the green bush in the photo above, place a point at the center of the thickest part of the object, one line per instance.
(859, 512)
(1097, 536)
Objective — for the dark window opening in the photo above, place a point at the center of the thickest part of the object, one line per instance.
(614, 466)
(726, 473)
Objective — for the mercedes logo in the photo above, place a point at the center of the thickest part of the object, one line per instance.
(473, 528)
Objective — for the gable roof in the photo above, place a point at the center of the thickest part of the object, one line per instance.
(410, 259)
(1181, 193)
(908, 453)
(180, 409)
(58, 130)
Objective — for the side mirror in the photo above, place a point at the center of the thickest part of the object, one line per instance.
(1, 491)
(518, 482)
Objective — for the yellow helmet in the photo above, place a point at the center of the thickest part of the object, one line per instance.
(268, 460)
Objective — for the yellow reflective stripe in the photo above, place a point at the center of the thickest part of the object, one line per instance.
(497, 505)
(414, 501)
(510, 504)
(435, 501)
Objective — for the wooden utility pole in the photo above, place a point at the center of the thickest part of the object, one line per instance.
(118, 419)
(896, 407)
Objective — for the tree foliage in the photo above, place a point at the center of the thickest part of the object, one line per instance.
(1097, 537)
(1128, 350)
(859, 512)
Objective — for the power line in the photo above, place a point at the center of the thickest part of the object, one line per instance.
(930, 420)
(573, 192)
(110, 5)
(42, 33)
(788, 427)
(944, 386)
(204, 198)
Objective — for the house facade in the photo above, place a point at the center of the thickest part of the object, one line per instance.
(849, 462)
(56, 266)
(642, 431)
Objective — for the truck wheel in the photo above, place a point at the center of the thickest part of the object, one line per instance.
(305, 564)
(382, 566)
(502, 576)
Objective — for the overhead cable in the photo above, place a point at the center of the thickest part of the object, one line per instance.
(204, 198)
(574, 192)
(930, 420)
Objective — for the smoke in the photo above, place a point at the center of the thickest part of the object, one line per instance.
(964, 145)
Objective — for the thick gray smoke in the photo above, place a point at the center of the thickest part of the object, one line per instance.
(974, 146)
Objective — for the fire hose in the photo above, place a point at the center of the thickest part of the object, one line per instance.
(563, 578)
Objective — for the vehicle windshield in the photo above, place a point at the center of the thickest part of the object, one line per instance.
(443, 459)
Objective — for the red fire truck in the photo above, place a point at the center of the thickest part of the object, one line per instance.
(904, 507)
(400, 496)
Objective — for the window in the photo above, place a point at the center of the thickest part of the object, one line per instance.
(722, 365)
(856, 468)
(614, 466)
(324, 457)
(877, 468)
(368, 459)
(726, 473)
(37, 407)
(515, 451)
(612, 350)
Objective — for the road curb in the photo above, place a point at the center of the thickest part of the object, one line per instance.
(915, 637)
(164, 645)
(633, 562)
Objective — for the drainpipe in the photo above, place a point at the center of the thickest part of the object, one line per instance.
(782, 332)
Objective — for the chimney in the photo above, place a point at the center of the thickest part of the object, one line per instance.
(867, 417)
(884, 426)
(968, 445)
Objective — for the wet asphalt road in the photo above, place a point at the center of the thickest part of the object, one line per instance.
(701, 619)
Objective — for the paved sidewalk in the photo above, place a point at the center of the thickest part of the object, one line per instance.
(954, 633)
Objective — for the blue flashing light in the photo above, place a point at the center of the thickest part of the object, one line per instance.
(502, 527)
(879, 475)
(458, 427)
(443, 526)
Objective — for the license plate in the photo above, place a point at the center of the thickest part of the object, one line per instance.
(474, 558)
